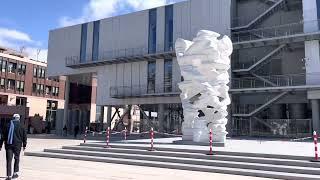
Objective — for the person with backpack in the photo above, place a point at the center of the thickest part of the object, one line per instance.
(14, 138)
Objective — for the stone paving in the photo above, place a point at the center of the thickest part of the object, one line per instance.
(34, 168)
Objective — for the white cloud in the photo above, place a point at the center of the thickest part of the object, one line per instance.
(15, 39)
(14, 35)
(37, 53)
(98, 9)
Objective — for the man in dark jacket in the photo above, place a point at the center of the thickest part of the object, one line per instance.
(14, 137)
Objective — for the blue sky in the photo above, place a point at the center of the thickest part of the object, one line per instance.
(26, 23)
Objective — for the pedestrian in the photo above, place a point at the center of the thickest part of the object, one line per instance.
(14, 137)
(76, 131)
(65, 130)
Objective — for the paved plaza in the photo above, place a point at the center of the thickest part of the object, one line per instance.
(34, 168)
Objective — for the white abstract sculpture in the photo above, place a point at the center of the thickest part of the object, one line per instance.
(204, 65)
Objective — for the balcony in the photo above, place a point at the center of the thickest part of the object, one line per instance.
(121, 56)
(136, 91)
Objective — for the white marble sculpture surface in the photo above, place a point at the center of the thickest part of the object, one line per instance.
(204, 64)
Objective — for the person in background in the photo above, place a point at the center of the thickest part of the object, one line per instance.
(76, 131)
(14, 137)
(65, 130)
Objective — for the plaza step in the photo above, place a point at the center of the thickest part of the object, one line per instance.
(201, 155)
(238, 163)
(212, 169)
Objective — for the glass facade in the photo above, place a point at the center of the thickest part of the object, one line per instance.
(95, 45)
(168, 36)
(152, 41)
(83, 45)
(151, 77)
(168, 75)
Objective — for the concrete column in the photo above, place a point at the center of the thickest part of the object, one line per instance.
(312, 62)
(66, 107)
(315, 115)
(310, 15)
(101, 117)
(161, 117)
(94, 83)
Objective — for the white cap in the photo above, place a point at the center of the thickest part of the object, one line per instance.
(16, 116)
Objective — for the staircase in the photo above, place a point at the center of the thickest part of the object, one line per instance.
(275, 7)
(261, 62)
(247, 164)
(264, 106)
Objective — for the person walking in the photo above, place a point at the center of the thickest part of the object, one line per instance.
(14, 137)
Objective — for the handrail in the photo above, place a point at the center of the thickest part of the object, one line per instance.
(278, 80)
(283, 30)
(119, 53)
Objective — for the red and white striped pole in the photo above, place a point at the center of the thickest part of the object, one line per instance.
(152, 140)
(211, 142)
(108, 138)
(315, 139)
(85, 135)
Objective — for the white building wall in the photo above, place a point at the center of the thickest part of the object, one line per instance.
(127, 34)
(312, 54)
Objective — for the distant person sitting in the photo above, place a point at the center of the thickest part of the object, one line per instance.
(15, 137)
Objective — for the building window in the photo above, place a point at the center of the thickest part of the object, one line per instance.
(48, 90)
(51, 114)
(151, 76)
(152, 31)
(34, 87)
(55, 91)
(3, 65)
(95, 44)
(43, 73)
(2, 83)
(39, 72)
(41, 89)
(21, 101)
(83, 45)
(168, 75)
(12, 67)
(35, 72)
(20, 86)
(168, 37)
(11, 84)
(3, 99)
(22, 69)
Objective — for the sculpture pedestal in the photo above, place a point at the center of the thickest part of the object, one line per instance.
(200, 131)
(187, 134)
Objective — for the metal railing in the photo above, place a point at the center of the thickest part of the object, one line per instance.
(278, 80)
(144, 90)
(276, 31)
(119, 53)
(285, 128)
